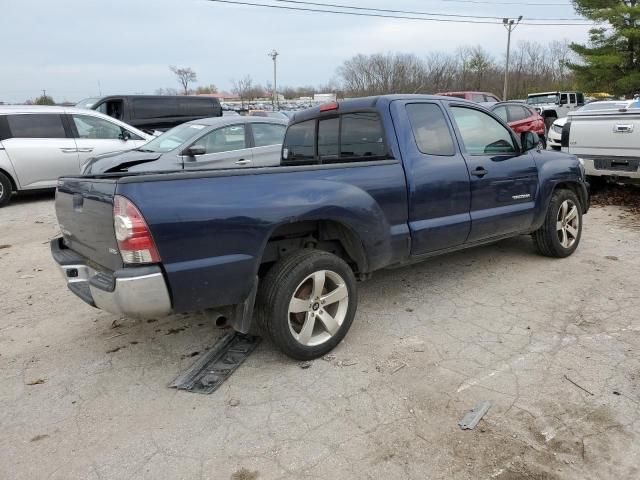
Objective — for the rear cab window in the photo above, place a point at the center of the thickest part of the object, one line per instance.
(344, 138)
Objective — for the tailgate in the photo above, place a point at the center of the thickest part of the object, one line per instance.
(84, 207)
(612, 134)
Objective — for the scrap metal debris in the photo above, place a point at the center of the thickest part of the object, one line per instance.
(472, 418)
(215, 366)
(38, 381)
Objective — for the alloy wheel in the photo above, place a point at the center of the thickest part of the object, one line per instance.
(568, 224)
(318, 307)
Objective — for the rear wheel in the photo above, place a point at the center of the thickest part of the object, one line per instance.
(306, 303)
(5, 189)
(560, 233)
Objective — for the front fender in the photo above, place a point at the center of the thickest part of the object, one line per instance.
(554, 169)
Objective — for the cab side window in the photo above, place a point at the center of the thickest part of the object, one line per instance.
(299, 144)
(482, 134)
(430, 129)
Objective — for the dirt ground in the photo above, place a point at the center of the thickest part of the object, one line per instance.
(552, 344)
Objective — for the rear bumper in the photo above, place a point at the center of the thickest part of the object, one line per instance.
(134, 292)
(619, 167)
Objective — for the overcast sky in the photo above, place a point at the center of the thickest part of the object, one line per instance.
(73, 48)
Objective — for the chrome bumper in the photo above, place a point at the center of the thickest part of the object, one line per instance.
(590, 169)
(133, 292)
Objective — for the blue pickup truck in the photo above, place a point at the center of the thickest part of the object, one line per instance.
(363, 184)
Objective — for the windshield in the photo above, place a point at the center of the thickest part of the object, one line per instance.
(87, 102)
(173, 138)
(540, 99)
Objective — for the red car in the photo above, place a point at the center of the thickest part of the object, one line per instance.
(479, 97)
(521, 118)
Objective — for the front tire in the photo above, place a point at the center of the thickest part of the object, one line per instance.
(5, 189)
(306, 303)
(561, 231)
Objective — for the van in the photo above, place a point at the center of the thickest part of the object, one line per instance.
(154, 112)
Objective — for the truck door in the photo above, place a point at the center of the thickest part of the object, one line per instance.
(437, 177)
(504, 181)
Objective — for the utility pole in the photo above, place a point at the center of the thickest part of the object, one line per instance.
(274, 100)
(510, 24)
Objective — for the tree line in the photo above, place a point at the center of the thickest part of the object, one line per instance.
(533, 67)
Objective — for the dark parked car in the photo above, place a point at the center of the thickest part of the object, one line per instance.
(364, 184)
(521, 118)
(154, 112)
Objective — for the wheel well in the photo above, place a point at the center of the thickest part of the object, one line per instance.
(574, 188)
(13, 182)
(326, 235)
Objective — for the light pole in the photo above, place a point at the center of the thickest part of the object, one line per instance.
(510, 24)
(274, 101)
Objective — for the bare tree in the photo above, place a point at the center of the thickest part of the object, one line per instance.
(185, 76)
(243, 88)
(535, 67)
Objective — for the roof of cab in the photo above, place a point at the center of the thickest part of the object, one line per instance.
(368, 103)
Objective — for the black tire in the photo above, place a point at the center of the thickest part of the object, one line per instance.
(5, 189)
(287, 278)
(548, 237)
(548, 121)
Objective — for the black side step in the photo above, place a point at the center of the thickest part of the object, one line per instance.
(214, 367)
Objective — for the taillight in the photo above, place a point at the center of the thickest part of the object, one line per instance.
(134, 237)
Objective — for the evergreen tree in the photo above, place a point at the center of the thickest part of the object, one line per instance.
(611, 60)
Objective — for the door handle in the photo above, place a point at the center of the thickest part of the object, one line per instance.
(68, 150)
(85, 150)
(623, 128)
(243, 161)
(479, 172)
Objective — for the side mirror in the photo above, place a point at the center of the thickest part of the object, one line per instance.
(125, 135)
(529, 141)
(195, 150)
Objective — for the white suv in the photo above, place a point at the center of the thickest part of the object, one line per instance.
(38, 144)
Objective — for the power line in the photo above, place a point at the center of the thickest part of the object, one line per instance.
(410, 12)
(359, 14)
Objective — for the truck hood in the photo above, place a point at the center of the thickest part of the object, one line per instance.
(118, 161)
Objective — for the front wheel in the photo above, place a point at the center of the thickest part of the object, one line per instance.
(560, 233)
(306, 303)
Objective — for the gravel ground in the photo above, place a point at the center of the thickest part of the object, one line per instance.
(552, 344)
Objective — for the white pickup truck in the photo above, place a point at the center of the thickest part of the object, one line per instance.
(606, 141)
